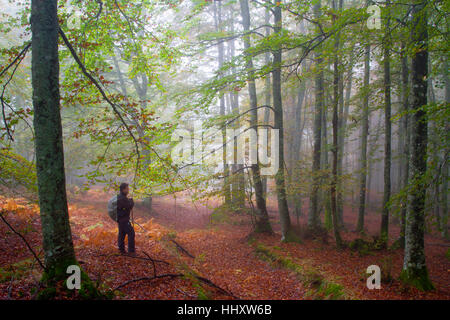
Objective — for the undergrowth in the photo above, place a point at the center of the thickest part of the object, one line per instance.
(319, 287)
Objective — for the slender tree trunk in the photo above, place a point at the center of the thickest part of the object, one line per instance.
(267, 94)
(325, 197)
(57, 239)
(414, 266)
(444, 201)
(384, 231)
(405, 139)
(334, 173)
(297, 144)
(364, 136)
(445, 168)
(342, 133)
(287, 234)
(313, 216)
(220, 59)
(262, 217)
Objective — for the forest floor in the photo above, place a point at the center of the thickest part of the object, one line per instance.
(214, 252)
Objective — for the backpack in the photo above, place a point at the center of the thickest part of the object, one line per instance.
(112, 208)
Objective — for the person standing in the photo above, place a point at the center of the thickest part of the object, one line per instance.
(124, 207)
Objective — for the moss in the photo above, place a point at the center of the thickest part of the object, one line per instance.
(447, 254)
(417, 278)
(203, 294)
(291, 236)
(57, 275)
(172, 235)
(330, 291)
(263, 227)
(17, 270)
(362, 246)
(320, 288)
(365, 247)
(57, 271)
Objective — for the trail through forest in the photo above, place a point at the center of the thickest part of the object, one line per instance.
(217, 257)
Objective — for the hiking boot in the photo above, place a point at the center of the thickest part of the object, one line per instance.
(122, 252)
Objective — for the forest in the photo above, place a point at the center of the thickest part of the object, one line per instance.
(244, 149)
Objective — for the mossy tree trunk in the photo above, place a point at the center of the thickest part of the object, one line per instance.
(414, 266)
(57, 238)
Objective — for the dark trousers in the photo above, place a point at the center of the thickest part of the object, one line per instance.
(125, 228)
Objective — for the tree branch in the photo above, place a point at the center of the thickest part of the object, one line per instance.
(105, 97)
(23, 238)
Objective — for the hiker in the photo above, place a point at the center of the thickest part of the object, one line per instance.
(124, 206)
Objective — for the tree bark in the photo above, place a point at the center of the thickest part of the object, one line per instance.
(414, 267)
(384, 231)
(342, 133)
(286, 230)
(334, 173)
(313, 216)
(57, 238)
(445, 168)
(405, 139)
(220, 60)
(267, 94)
(364, 136)
(262, 217)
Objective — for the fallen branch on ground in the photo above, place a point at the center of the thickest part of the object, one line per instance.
(167, 275)
(187, 294)
(182, 249)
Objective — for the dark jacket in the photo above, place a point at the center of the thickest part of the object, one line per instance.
(124, 206)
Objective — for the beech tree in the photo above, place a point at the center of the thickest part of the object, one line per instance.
(57, 237)
(414, 267)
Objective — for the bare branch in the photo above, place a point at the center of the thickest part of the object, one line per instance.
(23, 238)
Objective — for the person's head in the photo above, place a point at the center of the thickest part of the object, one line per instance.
(124, 188)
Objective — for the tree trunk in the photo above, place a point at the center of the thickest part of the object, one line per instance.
(445, 168)
(384, 231)
(342, 133)
(220, 59)
(405, 139)
(334, 173)
(262, 217)
(286, 230)
(414, 267)
(364, 135)
(57, 238)
(313, 216)
(267, 94)
(297, 145)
